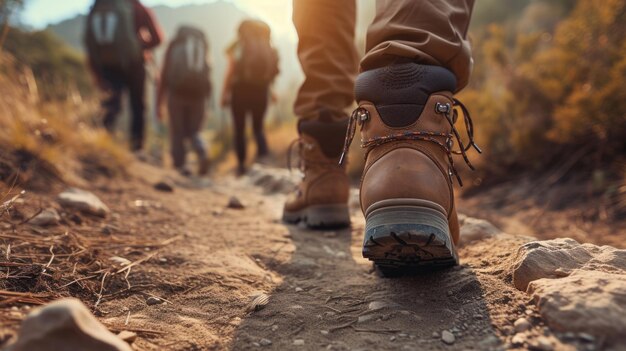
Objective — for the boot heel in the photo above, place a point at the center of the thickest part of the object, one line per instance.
(328, 216)
(408, 236)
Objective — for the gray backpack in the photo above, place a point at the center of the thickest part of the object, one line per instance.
(111, 36)
(188, 69)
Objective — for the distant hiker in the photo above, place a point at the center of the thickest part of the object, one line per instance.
(185, 80)
(119, 35)
(253, 65)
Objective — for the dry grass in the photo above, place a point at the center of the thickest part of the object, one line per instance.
(59, 135)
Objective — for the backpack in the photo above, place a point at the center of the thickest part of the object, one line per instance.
(188, 69)
(111, 37)
(256, 59)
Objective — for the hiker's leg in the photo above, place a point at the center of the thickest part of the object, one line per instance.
(259, 111)
(417, 58)
(137, 88)
(196, 121)
(421, 31)
(329, 60)
(328, 56)
(240, 110)
(176, 125)
(112, 103)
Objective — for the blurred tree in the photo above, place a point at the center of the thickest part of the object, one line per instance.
(548, 86)
(7, 9)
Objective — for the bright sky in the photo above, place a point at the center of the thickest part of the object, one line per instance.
(40, 13)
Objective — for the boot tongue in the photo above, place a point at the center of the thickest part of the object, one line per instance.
(401, 91)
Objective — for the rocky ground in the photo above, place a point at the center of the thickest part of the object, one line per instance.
(199, 265)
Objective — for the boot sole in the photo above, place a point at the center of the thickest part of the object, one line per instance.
(401, 236)
(320, 217)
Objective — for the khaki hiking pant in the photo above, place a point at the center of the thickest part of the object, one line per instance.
(431, 32)
(186, 116)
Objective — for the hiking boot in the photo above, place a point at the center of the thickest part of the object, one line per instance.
(321, 199)
(406, 116)
(204, 165)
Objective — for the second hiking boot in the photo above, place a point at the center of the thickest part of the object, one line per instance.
(321, 199)
(406, 117)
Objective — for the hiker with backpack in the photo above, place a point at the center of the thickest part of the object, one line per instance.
(119, 37)
(253, 66)
(185, 79)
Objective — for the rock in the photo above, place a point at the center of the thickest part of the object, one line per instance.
(151, 301)
(265, 342)
(47, 217)
(474, 229)
(521, 325)
(299, 290)
(164, 186)
(436, 335)
(447, 337)
(235, 203)
(367, 318)
(298, 342)
(127, 336)
(518, 339)
(590, 298)
(83, 201)
(65, 325)
(558, 258)
(542, 344)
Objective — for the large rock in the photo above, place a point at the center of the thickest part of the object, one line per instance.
(560, 257)
(65, 325)
(577, 287)
(83, 201)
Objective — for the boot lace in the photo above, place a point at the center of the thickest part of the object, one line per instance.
(360, 116)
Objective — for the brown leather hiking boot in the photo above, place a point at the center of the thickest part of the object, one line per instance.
(321, 199)
(407, 195)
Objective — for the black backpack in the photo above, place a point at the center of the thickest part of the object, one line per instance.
(111, 37)
(188, 70)
(256, 59)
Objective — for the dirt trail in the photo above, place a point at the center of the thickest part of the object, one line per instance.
(322, 294)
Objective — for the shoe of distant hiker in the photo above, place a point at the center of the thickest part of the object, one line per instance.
(184, 171)
(406, 116)
(204, 164)
(321, 199)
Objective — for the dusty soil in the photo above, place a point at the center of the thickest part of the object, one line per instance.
(209, 262)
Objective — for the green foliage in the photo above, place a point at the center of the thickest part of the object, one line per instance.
(58, 69)
(542, 94)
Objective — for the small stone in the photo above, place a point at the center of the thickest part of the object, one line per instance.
(377, 305)
(450, 293)
(164, 186)
(586, 337)
(324, 332)
(83, 201)
(235, 204)
(299, 290)
(127, 336)
(151, 301)
(265, 342)
(298, 342)
(447, 337)
(521, 325)
(543, 344)
(518, 339)
(436, 335)
(47, 217)
(403, 335)
(367, 318)
(392, 338)
(256, 344)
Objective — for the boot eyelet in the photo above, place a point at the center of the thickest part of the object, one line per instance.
(443, 108)
(364, 116)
